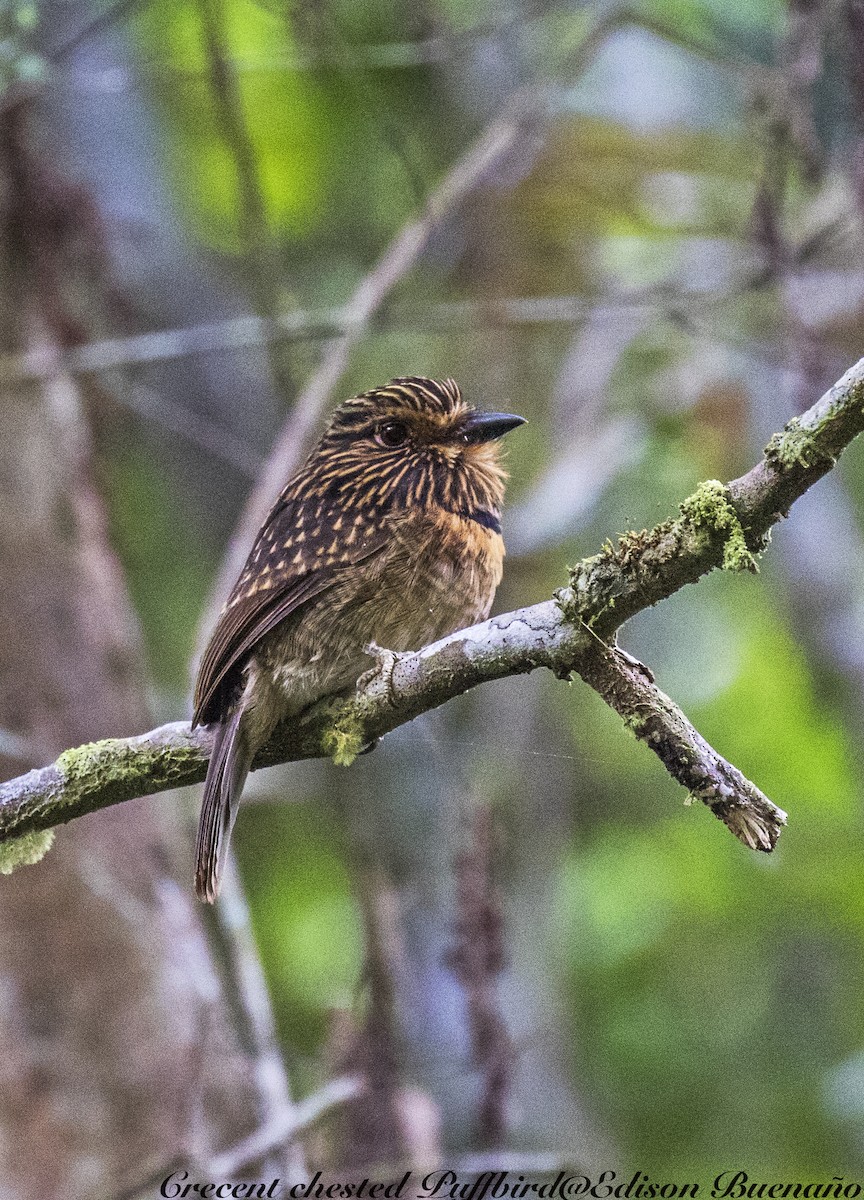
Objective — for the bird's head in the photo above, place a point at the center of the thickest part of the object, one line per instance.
(416, 442)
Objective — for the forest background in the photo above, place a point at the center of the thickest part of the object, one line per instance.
(639, 225)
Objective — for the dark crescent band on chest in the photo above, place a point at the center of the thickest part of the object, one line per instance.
(483, 516)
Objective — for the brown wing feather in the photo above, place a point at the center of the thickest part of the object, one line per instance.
(296, 557)
(241, 627)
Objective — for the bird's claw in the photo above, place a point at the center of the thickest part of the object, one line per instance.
(385, 665)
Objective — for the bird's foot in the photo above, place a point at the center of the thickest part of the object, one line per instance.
(385, 665)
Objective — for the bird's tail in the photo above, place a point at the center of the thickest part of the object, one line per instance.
(226, 774)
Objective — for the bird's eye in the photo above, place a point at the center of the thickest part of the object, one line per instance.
(391, 433)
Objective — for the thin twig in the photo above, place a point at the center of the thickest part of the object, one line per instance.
(240, 333)
(261, 268)
(279, 1134)
(329, 323)
(96, 25)
(198, 430)
(251, 1001)
(440, 48)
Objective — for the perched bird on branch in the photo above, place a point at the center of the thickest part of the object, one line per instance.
(388, 536)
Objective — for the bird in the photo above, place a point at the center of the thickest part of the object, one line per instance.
(388, 536)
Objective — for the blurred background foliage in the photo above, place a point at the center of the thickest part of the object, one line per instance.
(662, 270)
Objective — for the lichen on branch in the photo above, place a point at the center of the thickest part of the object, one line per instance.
(711, 509)
(25, 851)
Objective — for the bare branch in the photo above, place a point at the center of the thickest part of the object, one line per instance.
(261, 266)
(109, 772)
(281, 1133)
(238, 333)
(244, 977)
(628, 688)
(717, 526)
(316, 324)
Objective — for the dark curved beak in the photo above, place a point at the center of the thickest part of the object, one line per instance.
(487, 426)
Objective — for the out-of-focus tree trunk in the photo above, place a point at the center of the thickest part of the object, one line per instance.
(117, 1050)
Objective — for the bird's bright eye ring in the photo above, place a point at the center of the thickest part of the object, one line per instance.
(391, 434)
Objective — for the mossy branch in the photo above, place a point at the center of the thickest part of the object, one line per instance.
(718, 526)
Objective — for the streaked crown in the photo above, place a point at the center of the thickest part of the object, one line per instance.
(430, 405)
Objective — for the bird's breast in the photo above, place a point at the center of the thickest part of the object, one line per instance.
(442, 575)
(438, 572)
